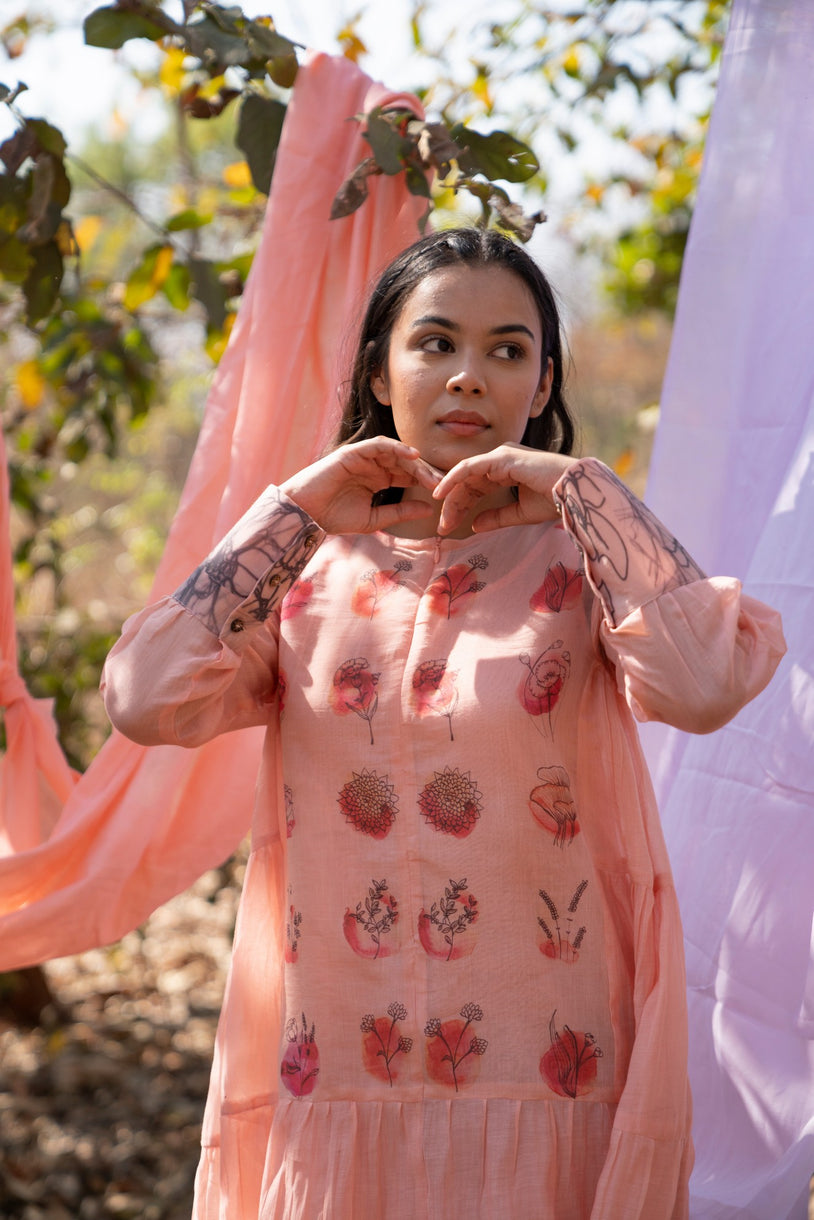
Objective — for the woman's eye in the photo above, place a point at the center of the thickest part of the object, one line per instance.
(510, 351)
(438, 343)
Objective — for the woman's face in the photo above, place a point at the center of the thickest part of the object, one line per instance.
(463, 371)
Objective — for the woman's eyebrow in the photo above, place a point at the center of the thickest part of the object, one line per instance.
(508, 329)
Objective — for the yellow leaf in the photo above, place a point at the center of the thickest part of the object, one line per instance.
(86, 231)
(237, 174)
(350, 42)
(624, 463)
(482, 92)
(30, 384)
(171, 72)
(211, 88)
(163, 263)
(216, 340)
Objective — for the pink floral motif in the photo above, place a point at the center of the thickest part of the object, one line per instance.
(296, 599)
(369, 803)
(368, 929)
(553, 806)
(561, 588)
(292, 935)
(540, 691)
(449, 593)
(447, 921)
(290, 820)
(451, 802)
(354, 690)
(373, 586)
(434, 691)
(452, 1055)
(382, 1042)
(561, 941)
(299, 1069)
(569, 1066)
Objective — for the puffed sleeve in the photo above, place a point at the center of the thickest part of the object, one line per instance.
(687, 649)
(203, 661)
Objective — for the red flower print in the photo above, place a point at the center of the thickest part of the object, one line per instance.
(553, 806)
(292, 935)
(369, 802)
(382, 1042)
(569, 1066)
(561, 941)
(447, 921)
(547, 675)
(373, 586)
(290, 820)
(451, 803)
(561, 588)
(434, 691)
(452, 1055)
(300, 1066)
(296, 599)
(354, 690)
(449, 592)
(372, 921)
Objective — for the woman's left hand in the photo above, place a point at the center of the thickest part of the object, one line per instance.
(532, 471)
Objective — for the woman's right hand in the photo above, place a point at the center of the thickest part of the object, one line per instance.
(337, 491)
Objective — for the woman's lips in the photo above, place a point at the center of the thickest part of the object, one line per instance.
(463, 423)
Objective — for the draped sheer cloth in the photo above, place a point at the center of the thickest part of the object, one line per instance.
(92, 857)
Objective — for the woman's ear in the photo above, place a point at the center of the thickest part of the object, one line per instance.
(378, 384)
(544, 392)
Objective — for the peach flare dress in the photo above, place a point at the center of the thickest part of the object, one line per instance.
(457, 986)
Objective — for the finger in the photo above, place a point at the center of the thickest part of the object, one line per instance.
(498, 518)
(481, 472)
(459, 503)
(386, 515)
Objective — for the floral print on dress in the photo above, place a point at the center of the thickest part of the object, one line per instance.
(290, 819)
(569, 1065)
(451, 802)
(450, 592)
(383, 1042)
(296, 599)
(552, 805)
(354, 690)
(292, 935)
(282, 691)
(442, 931)
(561, 941)
(299, 1069)
(373, 587)
(561, 588)
(540, 691)
(452, 1052)
(368, 929)
(369, 802)
(434, 692)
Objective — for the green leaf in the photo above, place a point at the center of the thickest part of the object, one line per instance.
(49, 137)
(188, 219)
(176, 286)
(148, 277)
(43, 283)
(258, 135)
(15, 261)
(111, 28)
(497, 156)
(386, 143)
(417, 183)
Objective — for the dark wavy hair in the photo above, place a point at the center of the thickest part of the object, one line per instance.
(364, 416)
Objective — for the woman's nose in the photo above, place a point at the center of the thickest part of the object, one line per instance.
(468, 381)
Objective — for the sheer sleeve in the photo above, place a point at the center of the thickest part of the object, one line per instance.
(687, 649)
(203, 661)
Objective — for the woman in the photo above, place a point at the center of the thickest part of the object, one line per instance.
(457, 982)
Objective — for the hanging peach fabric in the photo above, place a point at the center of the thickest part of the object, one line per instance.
(96, 855)
(733, 474)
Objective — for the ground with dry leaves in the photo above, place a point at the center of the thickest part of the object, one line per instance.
(101, 1105)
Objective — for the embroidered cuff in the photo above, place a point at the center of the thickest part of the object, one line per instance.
(630, 557)
(238, 585)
